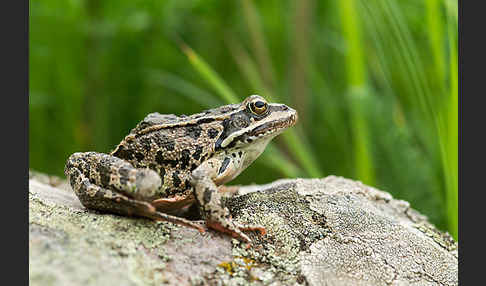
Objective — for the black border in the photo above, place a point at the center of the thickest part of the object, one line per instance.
(14, 26)
(471, 148)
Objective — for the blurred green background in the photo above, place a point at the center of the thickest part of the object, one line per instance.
(375, 83)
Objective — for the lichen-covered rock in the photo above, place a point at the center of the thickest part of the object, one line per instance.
(330, 231)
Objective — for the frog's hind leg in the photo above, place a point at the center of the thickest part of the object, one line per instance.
(113, 173)
(96, 197)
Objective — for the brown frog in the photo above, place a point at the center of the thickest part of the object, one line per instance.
(170, 162)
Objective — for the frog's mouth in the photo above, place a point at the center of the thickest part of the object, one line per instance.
(274, 126)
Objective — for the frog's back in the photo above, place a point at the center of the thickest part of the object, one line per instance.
(170, 145)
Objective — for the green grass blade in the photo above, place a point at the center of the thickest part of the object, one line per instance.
(214, 80)
(273, 158)
(298, 149)
(250, 14)
(183, 87)
(452, 141)
(435, 33)
(248, 68)
(410, 58)
(356, 75)
(446, 119)
(299, 62)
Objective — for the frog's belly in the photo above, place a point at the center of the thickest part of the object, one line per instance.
(173, 204)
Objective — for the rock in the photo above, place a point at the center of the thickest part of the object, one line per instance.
(330, 231)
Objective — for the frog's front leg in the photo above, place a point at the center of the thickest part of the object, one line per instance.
(218, 217)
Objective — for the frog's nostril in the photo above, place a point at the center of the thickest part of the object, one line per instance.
(285, 107)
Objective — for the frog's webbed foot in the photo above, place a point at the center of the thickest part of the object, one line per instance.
(234, 229)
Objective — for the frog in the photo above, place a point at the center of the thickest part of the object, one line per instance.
(168, 163)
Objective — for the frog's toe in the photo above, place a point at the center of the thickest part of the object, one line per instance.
(200, 225)
(258, 228)
(177, 220)
(236, 230)
(228, 229)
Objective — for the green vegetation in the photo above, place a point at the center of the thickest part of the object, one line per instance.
(375, 83)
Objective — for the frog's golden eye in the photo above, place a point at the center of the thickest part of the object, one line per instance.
(258, 107)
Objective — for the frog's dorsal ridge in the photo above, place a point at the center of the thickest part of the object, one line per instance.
(156, 121)
(157, 118)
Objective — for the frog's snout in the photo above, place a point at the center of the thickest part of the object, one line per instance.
(294, 116)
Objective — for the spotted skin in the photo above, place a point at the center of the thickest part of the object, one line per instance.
(168, 162)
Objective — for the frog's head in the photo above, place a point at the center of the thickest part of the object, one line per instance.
(255, 122)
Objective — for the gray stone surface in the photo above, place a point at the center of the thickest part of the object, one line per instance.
(330, 231)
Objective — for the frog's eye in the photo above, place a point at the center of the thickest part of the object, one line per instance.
(258, 107)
